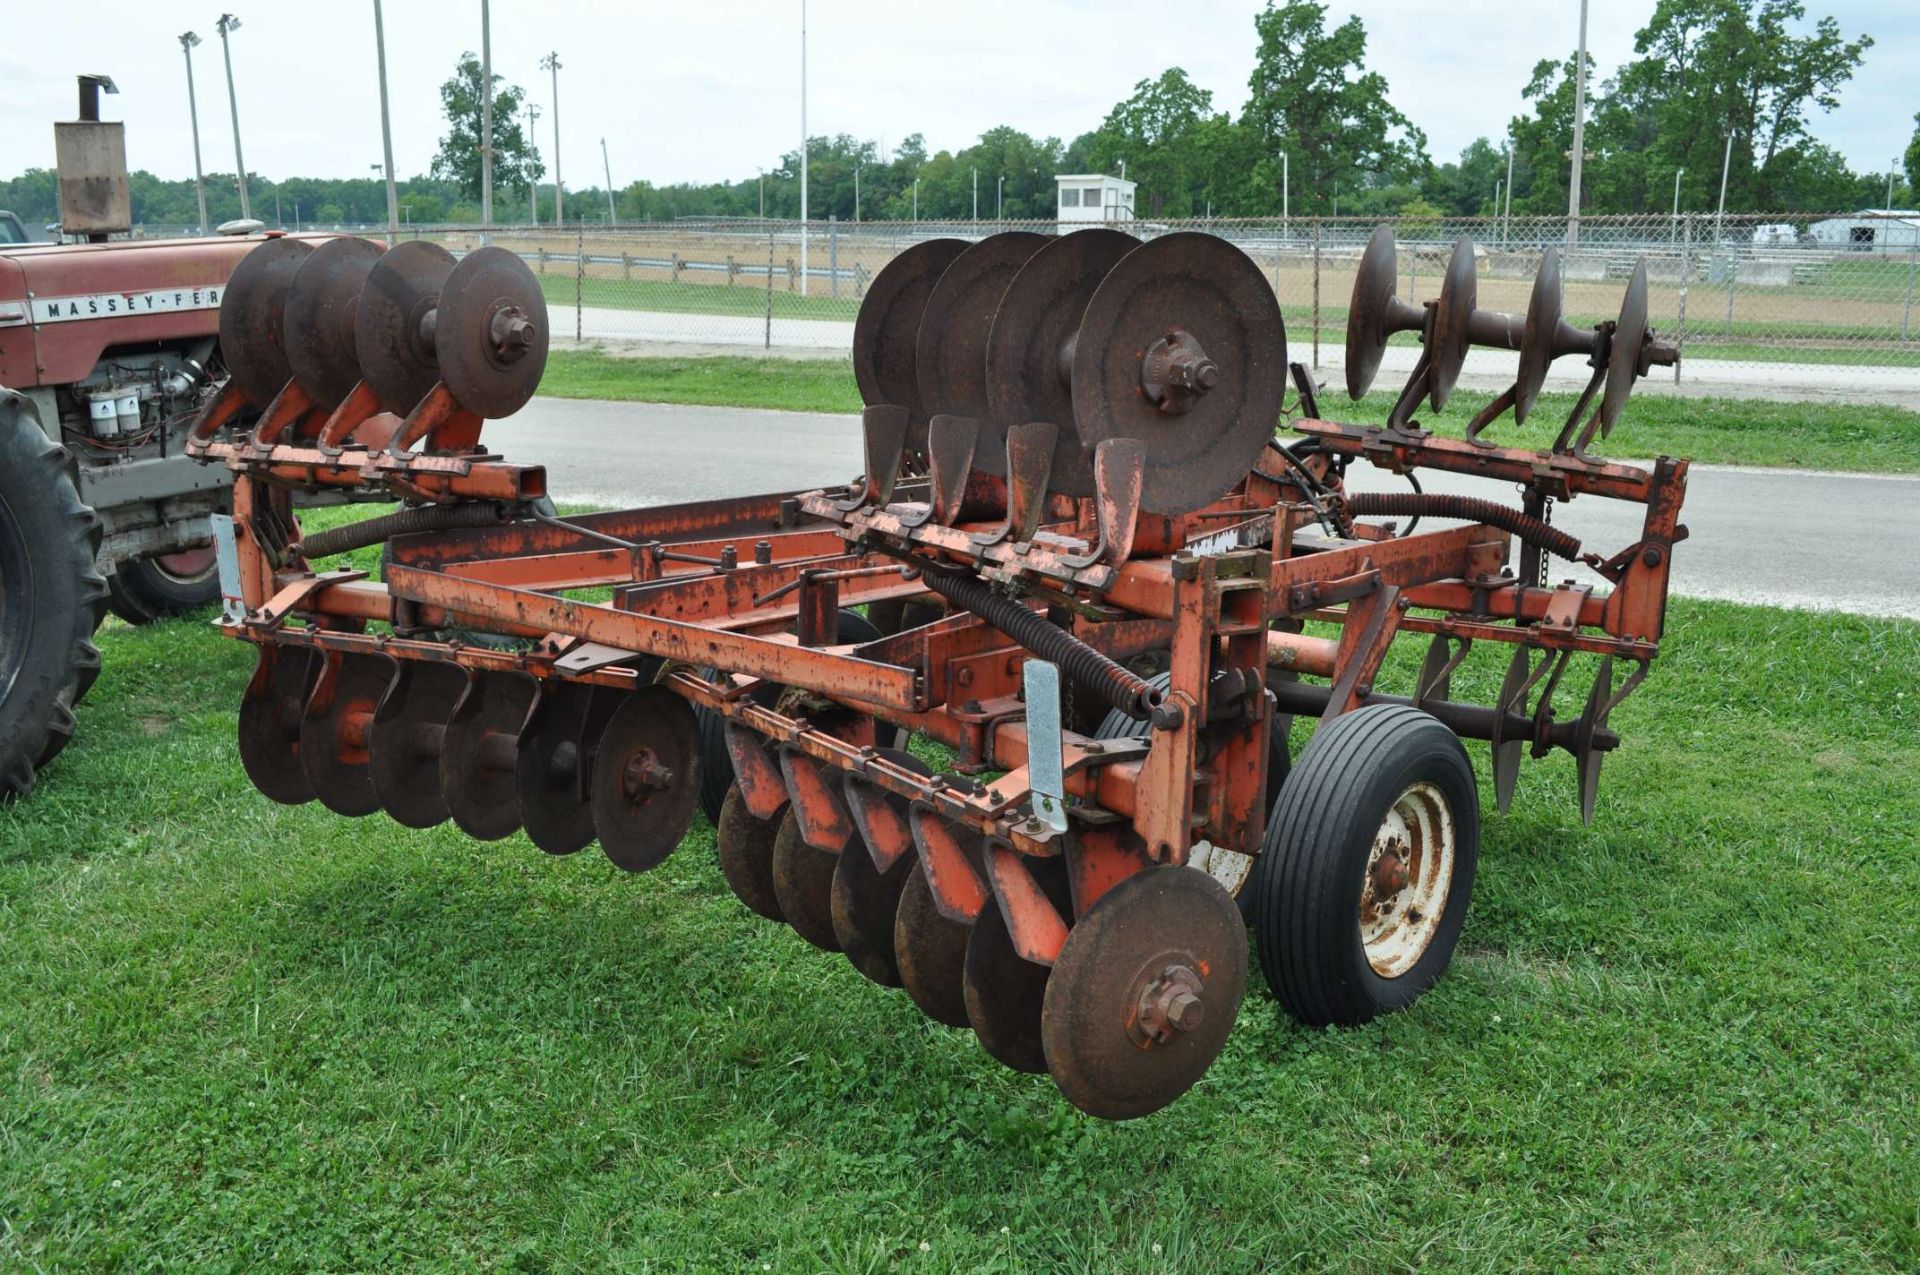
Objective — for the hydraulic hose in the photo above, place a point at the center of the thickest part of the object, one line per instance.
(404, 522)
(1413, 504)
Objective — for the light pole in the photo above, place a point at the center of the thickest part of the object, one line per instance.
(533, 149)
(1506, 213)
(486, 118)
(187, 42)
(1579, 131)
(1726, 162)
(763, 193)
(999, 197)
(1286, 189)
(976, 194)
(916, 201)
(856, 192)
(803, 147)
(1678, 173)
(386, 126)
(551, 62)
(1891, 168)
(607, 167)
(226, 25)
(1496, 196)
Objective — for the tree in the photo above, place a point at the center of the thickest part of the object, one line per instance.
(1313, 97)
(1157, 132)
(514, 163)
(1913, 159)
(1466, 188)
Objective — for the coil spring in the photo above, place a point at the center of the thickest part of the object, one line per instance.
(1411, 504)
(404, 522)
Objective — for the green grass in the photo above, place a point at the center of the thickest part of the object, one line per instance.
(748, 296)
(1865, 437)
(243, 1036)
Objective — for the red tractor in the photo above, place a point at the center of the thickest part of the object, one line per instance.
(108, 349)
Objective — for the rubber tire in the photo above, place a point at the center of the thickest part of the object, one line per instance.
(52, 595)
(142, 592)
(1308, 876)
(716, 764)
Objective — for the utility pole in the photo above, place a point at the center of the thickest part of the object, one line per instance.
(486, 118)
(1891, 168)
(1677, 174)
(856, 192)
(386, 126)
(187, 42)
(803, 147)
(607, 167)
(533, 149)
(976, 194)
(763, 193)
(1286, 189)
(226, 25)
(916, 201)
(999, 197)
(1506, 214)
(1579, 131)
(1726, 162)
(551, 62)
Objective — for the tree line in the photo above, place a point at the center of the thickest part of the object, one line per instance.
(1704, 71)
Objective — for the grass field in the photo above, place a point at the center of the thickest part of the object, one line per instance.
(243, 1036)
(1722, 431)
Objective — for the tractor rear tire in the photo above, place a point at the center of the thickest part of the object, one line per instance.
(1364, 880)
(50, 595)
(146, 590)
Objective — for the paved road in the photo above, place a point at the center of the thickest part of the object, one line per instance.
(1754, 530)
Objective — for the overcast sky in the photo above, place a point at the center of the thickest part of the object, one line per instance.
(709, 90)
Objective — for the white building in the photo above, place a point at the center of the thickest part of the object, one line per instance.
(1888, 230)
(1094, 197)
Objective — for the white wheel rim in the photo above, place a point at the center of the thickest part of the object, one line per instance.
(1403, 894)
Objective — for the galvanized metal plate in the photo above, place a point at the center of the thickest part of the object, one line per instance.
(554, 762)
(646, 778)
(888, 325)
(479, 754)
(1623, 361)
(393, 331)
(865, 900)
(1371, 310)
(322, 306)
(1452, 323)
(745, 846)
(1537, 350)
(491, 333)
(1030, 346)
(408, 728)
(269, 722)
(1005, 993)
(336, 727)
(950, 351)
(803, 882)
(253, 318)
(1159, 920)
(1211, 293)
(931, 952)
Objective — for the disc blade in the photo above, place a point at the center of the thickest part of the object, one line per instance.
(554, 761)
(803, 882)
(269, 722)
(1005, 993)
(393, 328)
(1623, 362)
(335, 729)
(1367, 314)
(931, 952)
(491, 333)
(1536, 346)
(253, 318)
(479, 754)
(1506, 752)
(322, 306)
(888, 325)
(1159, 931)
(1452, 317)
(950, 350)
(745, 846)
(646, 778)
(408, 728)
(1214, 297)
(1586, 757)
(866, 901)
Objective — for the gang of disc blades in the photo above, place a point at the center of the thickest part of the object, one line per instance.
(1452, 323)
(393, 332)
(1209, 292)
(404, 747)
(479, 754)
(321, 309)
(553, 763)
(1542, 332)
(745, 848)
(865, 900)
(888, 325)
(253, 318)
(269, 723)
(931, 952)
(336, 727)
(803, 882)
(491, 333)
(645, 785)
(1371, 310)
(950, 352)
(1029, 358)
(1006, 993)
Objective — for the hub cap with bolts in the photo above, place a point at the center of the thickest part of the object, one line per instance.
(1403, 895)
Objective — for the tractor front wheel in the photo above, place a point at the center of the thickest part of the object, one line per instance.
(165, 585)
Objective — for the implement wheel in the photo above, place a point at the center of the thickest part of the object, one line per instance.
(1363, 883)
(49, 595)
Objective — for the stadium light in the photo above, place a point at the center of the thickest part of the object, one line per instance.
(188, 41)
(226, 26)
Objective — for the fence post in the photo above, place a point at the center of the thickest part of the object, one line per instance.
(769, 344)
(833, 255)
(1906, 315)
(540, 260)
(1686, 280)
(674, 275)
(1316, 294)
(579, 276)
(731, 270)
(626, 267)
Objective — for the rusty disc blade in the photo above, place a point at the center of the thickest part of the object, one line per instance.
(885, 330)
(1507, 751)
(1005, 993)
(745, 846)
(404, 747)
(1452, 316)
(555, 759)
(1586, 757)
(335, 729)
(1543, 326)
(803, 882)
(1208, 293)
(866, 901)
(491, 333)
(1160, 925)
(1623, 361)
(1029, 351)
(321, 309)
(253, 318)
(1370, 311)
(645, 782)
(931, 952)
(950, 350)
(269, 725)
(393, 331)
(479, 754)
